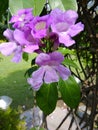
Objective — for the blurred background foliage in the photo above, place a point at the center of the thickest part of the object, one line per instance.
(10, 120)
(3, 17)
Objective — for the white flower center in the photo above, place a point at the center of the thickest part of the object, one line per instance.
(40, 25)
(22, 17)
(62, 27)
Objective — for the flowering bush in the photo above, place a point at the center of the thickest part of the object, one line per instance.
(43, 35)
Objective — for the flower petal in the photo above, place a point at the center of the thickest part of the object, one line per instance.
(31, 48)
(55, 16)
(75, 29)
(37, 79)
(70, 16)
(8, 34)
(20, 37)
(14, 19)
(22, 17)
(66, 39)
(56, 57)
(8, 48)
(17, 55)
(42, 59)
(36, 84)
(50, 75)
(64, 72)
(38, 74)
(39, 34)
(60, 27)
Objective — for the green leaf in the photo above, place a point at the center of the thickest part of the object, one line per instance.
(38, 6)
(3, 17)
(63, 4)
(16, 5)
(65, 51)
(47, 97)
(70, 92)
(30, 71)
(68, 62)
(25, 56)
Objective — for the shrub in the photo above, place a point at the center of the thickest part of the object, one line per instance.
(10, 120)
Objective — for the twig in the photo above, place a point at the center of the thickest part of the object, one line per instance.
(76, 121)
(63, 120)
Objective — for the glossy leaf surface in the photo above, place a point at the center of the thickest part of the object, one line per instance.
(47, 97)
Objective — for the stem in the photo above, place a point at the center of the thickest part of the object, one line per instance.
(34, 95)
(44, 124)
(64, 120)
(8, 16)
(76, 121)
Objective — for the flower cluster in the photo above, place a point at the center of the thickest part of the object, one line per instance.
(43, 35)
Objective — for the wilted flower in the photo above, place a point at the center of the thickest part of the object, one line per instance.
(50, 70)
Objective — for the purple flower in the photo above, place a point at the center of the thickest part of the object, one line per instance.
(19, 42)
(22, 18)
(10, 47)
(63, 23)
(39, 26)
(26, 40)
(50, 70)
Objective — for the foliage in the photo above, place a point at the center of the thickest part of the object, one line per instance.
(70, 92)
(10, 120)
(16, 5)
(63, 4)
(3, 16)
(3, 8)
(47, 97)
